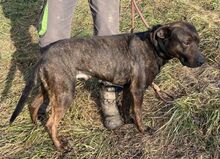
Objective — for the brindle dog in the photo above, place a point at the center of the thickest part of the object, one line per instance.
(128, 60)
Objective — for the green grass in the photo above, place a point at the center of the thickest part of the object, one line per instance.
(187, 128)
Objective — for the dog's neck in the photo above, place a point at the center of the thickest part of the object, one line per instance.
(160, 50)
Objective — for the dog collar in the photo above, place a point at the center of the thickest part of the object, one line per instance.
(159, 45)
(161, 50)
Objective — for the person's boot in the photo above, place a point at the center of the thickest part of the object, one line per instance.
(112, 118)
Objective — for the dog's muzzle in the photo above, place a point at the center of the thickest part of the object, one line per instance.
(200, 60)
(197, 62)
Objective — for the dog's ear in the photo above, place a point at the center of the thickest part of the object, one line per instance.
(162, 32)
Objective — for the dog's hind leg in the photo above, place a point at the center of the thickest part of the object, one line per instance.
(34, 107)
(60, 98)
(37, 103)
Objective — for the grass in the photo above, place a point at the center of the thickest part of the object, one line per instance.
(187, 128)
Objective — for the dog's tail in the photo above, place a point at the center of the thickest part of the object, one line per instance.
(25, 93)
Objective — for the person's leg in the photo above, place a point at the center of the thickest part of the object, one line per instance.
(56, 21)
(105, 15)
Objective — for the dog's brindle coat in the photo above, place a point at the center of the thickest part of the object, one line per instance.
(129, 60)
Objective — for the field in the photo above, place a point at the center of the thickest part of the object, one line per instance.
(189, 127)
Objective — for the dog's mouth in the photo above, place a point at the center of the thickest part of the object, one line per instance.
(197, 63)
(184, 61)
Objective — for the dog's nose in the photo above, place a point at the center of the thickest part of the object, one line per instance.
(200, 60)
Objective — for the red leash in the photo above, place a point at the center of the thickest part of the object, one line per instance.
(133, 7)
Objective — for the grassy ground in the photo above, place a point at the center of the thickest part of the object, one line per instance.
(187, 128)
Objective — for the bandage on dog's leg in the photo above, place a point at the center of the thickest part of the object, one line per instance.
(112, 118)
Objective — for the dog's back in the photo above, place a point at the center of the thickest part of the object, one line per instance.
(104, 57)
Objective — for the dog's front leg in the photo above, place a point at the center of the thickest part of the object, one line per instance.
(127, 103)
(137, 95)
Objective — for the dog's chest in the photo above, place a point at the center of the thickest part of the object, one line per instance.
(151, 71)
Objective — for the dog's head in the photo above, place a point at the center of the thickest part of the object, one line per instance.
(179, 40)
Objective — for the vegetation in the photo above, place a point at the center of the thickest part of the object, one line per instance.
(189, 127)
